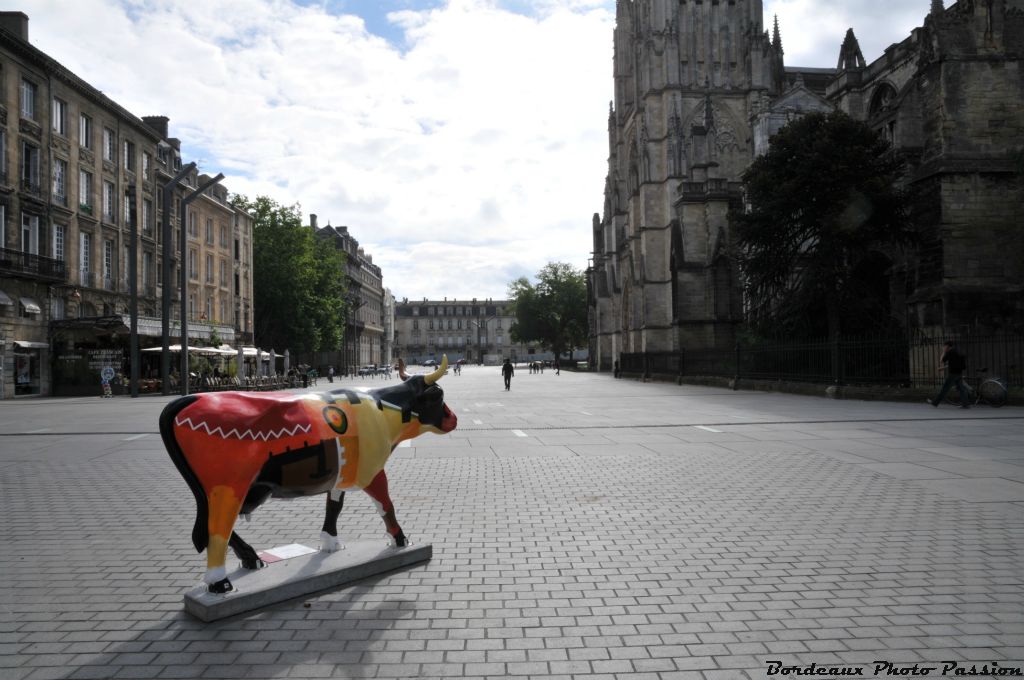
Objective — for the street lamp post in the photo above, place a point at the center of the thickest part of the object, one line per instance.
(133, 294)
(184, 278)
(165, 330)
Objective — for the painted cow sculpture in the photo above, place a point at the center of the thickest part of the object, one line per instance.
(237, 449)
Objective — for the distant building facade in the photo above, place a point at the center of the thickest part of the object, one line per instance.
(475, 330)
(365, 340)
(699, 90)
(75, 170)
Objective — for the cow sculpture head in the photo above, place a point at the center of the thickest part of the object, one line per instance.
(420, 398)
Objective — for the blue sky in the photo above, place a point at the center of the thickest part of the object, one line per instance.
(463, 142)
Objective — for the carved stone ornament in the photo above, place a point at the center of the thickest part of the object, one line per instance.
(718, 123)
(30, 128)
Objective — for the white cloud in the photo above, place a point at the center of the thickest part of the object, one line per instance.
(470, 154)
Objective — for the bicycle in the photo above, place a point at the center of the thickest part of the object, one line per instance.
(991, 391)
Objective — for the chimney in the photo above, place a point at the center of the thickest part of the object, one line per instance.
(15, 23)
(312, 220)
(157, 123)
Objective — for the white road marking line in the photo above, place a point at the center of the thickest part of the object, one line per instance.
(709, 429)
(133, 438)
(42, 429)
(586, 414)
(477, 422)
(519, 433)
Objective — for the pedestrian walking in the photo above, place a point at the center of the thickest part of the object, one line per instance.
(558, 368)
(954, 363)
(330, 374)
(507, 371)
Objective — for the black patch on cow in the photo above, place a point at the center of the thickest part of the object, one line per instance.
(200, 530)
(302, 472)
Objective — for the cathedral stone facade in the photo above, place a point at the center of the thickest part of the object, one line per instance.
(700, 87)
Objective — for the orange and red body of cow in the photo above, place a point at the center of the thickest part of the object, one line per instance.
(236, 450)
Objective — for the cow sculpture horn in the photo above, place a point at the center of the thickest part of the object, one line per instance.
(436, 375)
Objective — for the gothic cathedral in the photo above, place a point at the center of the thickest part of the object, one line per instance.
(700, 87)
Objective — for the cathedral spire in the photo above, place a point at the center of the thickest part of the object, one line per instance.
(776, 37)
(850, 56)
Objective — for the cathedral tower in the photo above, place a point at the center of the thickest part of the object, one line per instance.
(689, 76)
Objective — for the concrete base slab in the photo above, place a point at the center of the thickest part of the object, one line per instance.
(300, 576)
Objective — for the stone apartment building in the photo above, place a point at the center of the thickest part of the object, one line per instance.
(366, 339)
(475, 330)
(699, 89)
(76, 169)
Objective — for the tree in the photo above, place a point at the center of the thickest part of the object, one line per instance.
(825, 217)
(298, 280)
(552, 313)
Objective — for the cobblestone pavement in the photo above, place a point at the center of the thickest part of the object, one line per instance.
(583, 527)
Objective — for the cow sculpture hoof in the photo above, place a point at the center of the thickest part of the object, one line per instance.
(221, 587)
(329, 543)
(399, 540)
(253, 565)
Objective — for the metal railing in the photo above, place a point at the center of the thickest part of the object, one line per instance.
(898, 361)
(36, 266)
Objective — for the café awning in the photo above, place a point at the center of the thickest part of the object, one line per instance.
(28, 344)
(31, 306)
(5, 299)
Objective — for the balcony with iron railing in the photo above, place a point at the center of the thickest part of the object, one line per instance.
(28, 265)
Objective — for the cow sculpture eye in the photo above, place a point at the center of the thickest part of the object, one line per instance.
(335, 417)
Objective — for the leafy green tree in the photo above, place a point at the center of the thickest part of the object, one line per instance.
(552, 312)
(824, 220)
(298, 280)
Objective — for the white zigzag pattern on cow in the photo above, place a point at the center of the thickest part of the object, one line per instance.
(233, 433)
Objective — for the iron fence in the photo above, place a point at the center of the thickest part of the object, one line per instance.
(896, 361)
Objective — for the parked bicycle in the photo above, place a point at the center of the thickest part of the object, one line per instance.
(991, 391)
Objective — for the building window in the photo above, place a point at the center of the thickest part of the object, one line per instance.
(30, 233)
(191, 306)
(3, 156)
(147, 268)
(147, 164)
(108, 263)
(147, 210)
(28, 99)
(209, 268)
(85, 131)
(192, 273)
(223, 236)
(108, 200)
(209, 230)
(129, 156)
(57, 308)
(59, 234)
(85, 255)
(60, 181)
(60, 116)
(209, 308)
(30, 167)
(223, 273)
(109, 145)
(85, 191)
(127, 209)
(193, 227)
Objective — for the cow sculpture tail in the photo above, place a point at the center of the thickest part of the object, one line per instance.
(200, 531)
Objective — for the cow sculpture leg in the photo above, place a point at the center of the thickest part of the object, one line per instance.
(378, 491)
(329, 533)
(245, 552)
